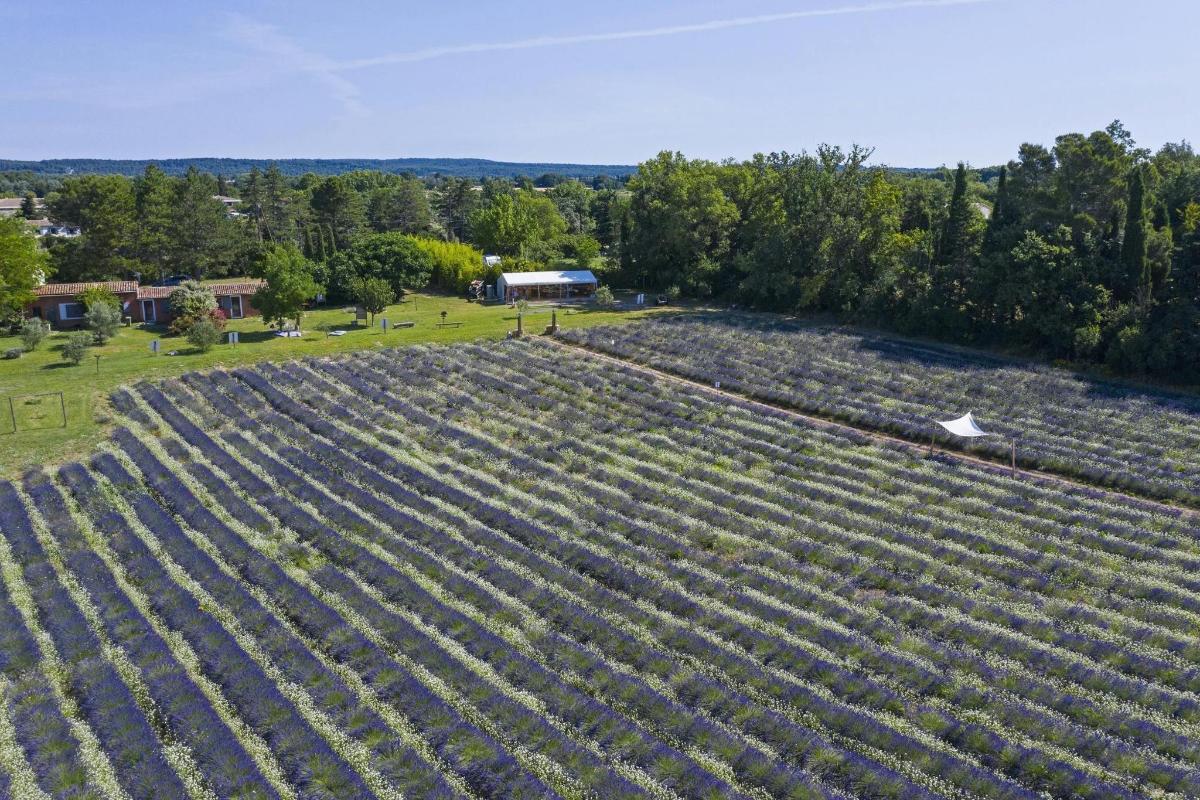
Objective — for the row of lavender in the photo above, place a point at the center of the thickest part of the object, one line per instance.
(421, 573)
(864, 703)
(1102, 651)
(1116, 436)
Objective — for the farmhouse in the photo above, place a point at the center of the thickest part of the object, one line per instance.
(58, 303)
(44, 227)
(554, 285)
(231, 205)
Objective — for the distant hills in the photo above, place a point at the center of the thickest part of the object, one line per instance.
(421, 167)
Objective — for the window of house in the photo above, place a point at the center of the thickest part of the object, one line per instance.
(70, 310)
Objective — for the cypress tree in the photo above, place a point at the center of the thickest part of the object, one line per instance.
(955, 235)
(1000, 213)
(1135, 266)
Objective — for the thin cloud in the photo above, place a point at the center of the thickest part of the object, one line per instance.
(428, 54)
(287, 55)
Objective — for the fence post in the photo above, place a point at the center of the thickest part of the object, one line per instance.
(62, 404)
(12, 413)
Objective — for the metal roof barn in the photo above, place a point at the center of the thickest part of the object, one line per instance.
(551, 285)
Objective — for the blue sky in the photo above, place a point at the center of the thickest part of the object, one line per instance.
(924, 83)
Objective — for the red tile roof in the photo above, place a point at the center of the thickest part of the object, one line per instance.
(72, 289)
(218, 289)
(245, 287)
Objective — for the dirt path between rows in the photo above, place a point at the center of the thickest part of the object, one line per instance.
(910, 445)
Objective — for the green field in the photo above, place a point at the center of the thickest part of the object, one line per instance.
(42, 439)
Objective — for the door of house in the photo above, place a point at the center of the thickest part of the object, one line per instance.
(148, 311)
(235, 307)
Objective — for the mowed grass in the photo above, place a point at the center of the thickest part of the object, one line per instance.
(41, 438)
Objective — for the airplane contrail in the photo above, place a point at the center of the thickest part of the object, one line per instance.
(427, 54)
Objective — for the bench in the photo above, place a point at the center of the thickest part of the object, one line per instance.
(449, 325)
(406, 324)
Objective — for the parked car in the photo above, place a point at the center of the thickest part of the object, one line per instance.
(174, 280)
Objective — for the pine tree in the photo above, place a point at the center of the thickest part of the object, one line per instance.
(154, 199)
(29, 209)
(278, 220)
(252, 200)
(1135, 268)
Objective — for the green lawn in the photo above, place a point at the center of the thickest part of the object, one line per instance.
(42, 439)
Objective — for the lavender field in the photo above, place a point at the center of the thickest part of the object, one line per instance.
(517, 570)
(1113, 435)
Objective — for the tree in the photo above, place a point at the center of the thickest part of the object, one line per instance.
(586, 251)
(604, 297)
(514, 222)
(337, 212)
(402, 207)
(252, 201)
(682, 222)
(103, 319)
(290, 285)
(204, 234)
(154, 201)
(76, 347)
(33, 331)
(278, 220)
(574, 202)
(203, 334)
(29, 209)
(398, 259)
(23, 265)
(457, 201)
(1135, 273)
(104, 209)
(1049, 289)
(373, 294)
(956, 245)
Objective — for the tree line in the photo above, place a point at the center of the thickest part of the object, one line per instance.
(412, 232)
(1087, 251)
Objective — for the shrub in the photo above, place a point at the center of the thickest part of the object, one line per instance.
(455, 265)
(189, 302)
(33, 331)
(203, 334)
(77, 346)
(103, 320)
(604, 297)
(14, 352)
(1087, 340)
(215, 316)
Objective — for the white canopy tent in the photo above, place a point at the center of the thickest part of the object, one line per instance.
(964, 426)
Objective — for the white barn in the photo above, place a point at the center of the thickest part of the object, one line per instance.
(569, 284)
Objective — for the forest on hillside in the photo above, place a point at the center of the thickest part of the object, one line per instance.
(1086, 250)
(294, 167)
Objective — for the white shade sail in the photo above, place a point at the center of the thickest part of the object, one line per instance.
(964, 426)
